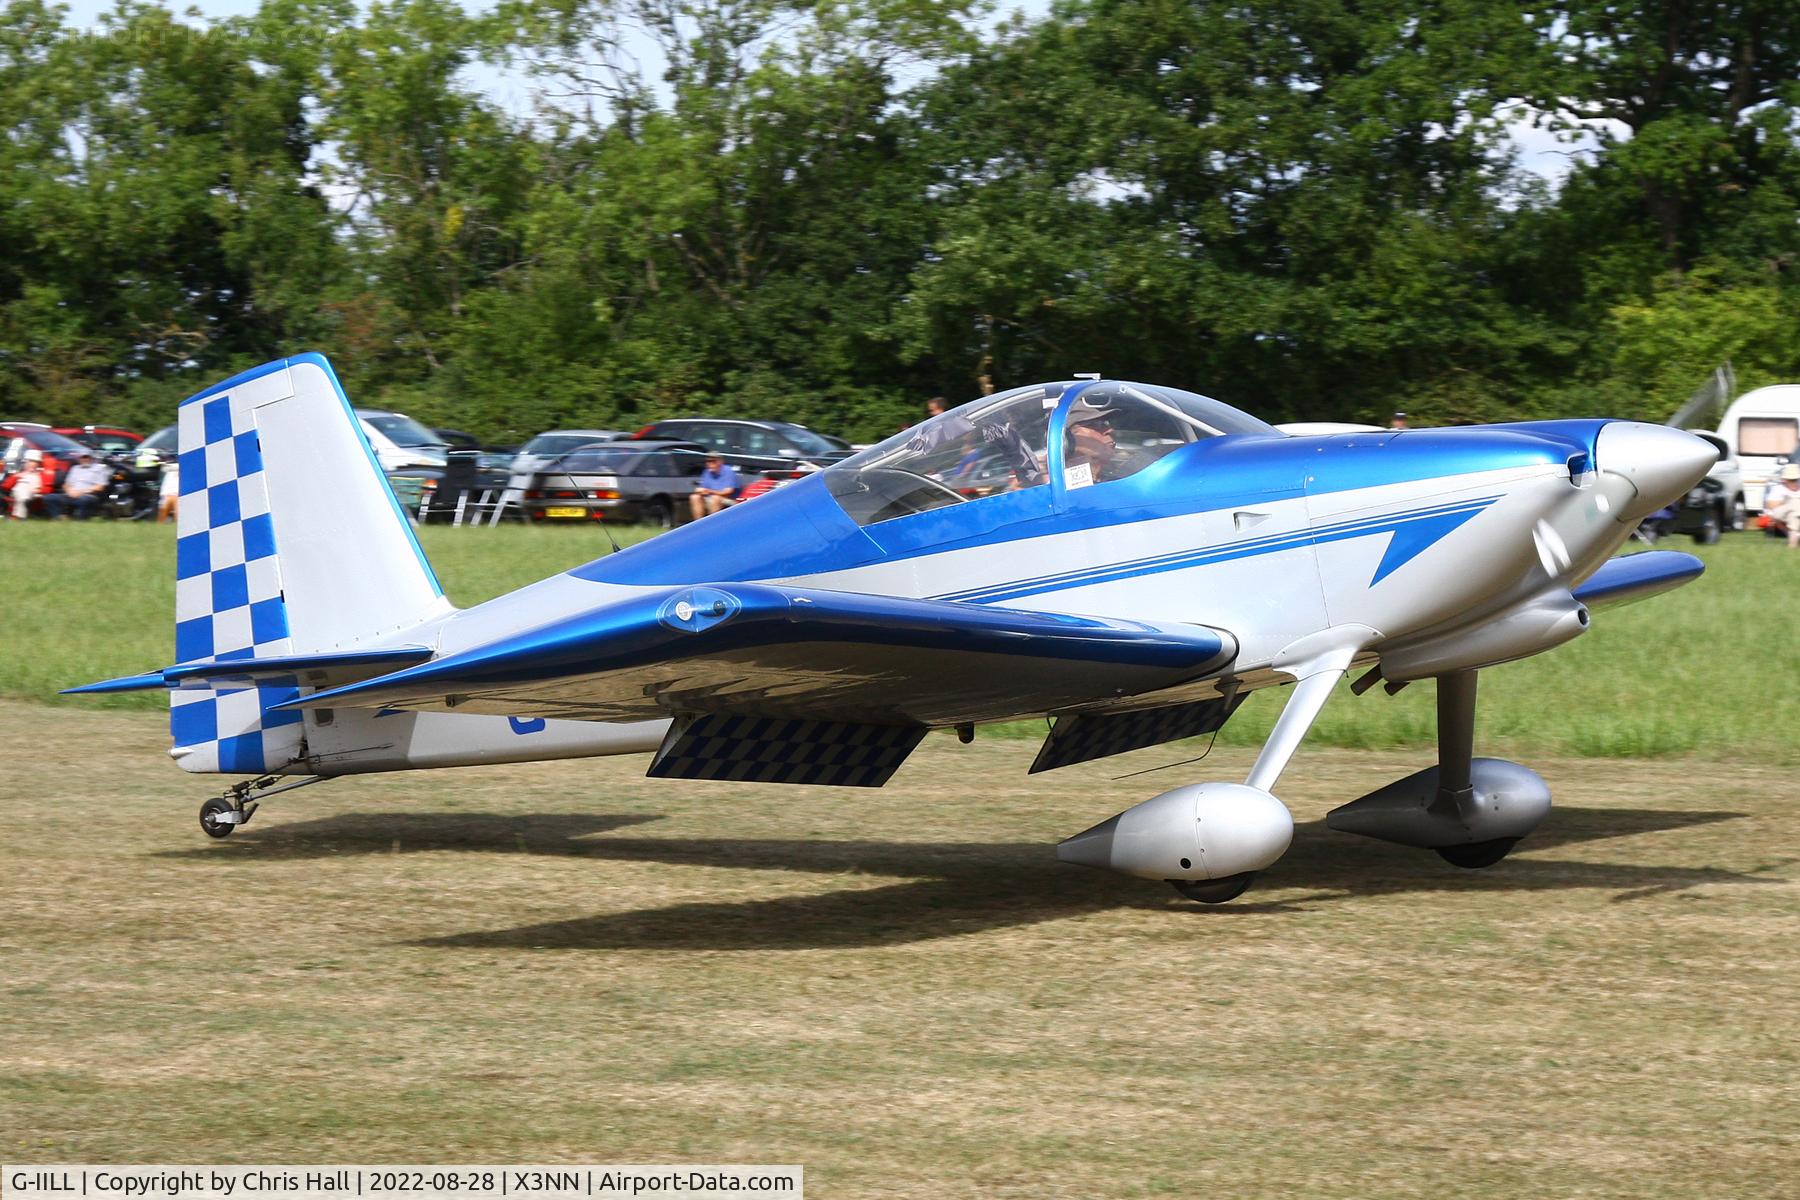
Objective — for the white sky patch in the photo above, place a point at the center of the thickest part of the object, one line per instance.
(1551, 154)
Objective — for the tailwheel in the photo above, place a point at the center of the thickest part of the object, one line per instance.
(1214, 891)
(219, 816)
(1475, 855)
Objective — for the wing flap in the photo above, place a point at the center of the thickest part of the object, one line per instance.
(797, 653)
(1083, 737)
(743, 749)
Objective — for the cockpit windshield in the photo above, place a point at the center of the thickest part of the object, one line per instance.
(1000, 443)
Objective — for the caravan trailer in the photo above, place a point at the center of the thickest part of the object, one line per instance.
(1763, 426)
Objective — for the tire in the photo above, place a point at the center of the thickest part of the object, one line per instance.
(1476, 855)
(1740, 516)
(1708, 533)
(662, 513)
(1214, 891)
(210, 812)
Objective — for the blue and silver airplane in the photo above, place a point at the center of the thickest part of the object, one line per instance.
(1128, 560)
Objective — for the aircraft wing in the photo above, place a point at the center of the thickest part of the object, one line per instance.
(1635, 577)
(765, 651)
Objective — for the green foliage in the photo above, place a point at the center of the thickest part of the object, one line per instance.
(826, 212)
(1695, 321)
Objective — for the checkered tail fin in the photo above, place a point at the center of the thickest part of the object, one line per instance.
(290, 541)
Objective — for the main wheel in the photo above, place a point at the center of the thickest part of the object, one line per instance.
(213, 816)
(1476, 855)
(1214, 891)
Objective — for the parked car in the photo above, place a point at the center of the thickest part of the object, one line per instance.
(122, 496)
(1711, 507)
(755, 446)
(541, 450)
(617, 482)
(164, 443)
(458, 439)
(60, 452)
(104, 440)
(399, 442)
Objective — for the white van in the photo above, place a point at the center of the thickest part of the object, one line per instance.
(1763, 427)
(399, 441)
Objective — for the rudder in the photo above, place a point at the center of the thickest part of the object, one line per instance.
(289, 541)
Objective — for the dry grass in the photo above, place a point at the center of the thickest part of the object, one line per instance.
(901, 989)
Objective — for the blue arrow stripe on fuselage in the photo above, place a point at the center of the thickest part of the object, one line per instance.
(1442, 518)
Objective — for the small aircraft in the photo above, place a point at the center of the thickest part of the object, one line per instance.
(1127, 560)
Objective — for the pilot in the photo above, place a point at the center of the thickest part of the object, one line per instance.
(1090, 452)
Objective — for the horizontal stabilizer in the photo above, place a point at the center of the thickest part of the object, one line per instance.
(289, 670)
(1638, 577)
(764, 650)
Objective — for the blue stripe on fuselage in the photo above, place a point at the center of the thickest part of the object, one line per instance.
(1437, 519)
(799, 530)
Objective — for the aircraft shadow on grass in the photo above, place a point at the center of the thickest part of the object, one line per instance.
(946, 888)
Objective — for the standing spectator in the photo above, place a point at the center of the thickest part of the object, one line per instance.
(168, 500)
(33, 480)
(717, 487)
(1781, 504)
(1399, 421)
(81, 490)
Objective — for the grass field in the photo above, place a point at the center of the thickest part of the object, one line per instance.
(900, 989)
(1705, 671)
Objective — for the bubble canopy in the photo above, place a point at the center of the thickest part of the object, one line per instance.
(1082, 432)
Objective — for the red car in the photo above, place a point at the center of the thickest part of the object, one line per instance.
(60, 452)
(16, 437)
(103, 439)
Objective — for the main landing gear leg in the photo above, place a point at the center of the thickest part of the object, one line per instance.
(1456, 770)
(222, 814)
(1471, 811)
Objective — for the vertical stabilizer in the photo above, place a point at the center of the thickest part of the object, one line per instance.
(290, 541)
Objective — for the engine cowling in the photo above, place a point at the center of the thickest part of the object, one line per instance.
(1201, 831)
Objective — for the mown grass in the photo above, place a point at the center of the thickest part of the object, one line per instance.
(1707, 670)
(903, 990)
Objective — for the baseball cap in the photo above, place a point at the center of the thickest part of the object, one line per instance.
(1086, 411)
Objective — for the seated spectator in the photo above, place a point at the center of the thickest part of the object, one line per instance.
(1781, 504)
(716, 488)
(32, 480)
(81, 491)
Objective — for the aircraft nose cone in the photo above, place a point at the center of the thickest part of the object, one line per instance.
(1660, 462)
